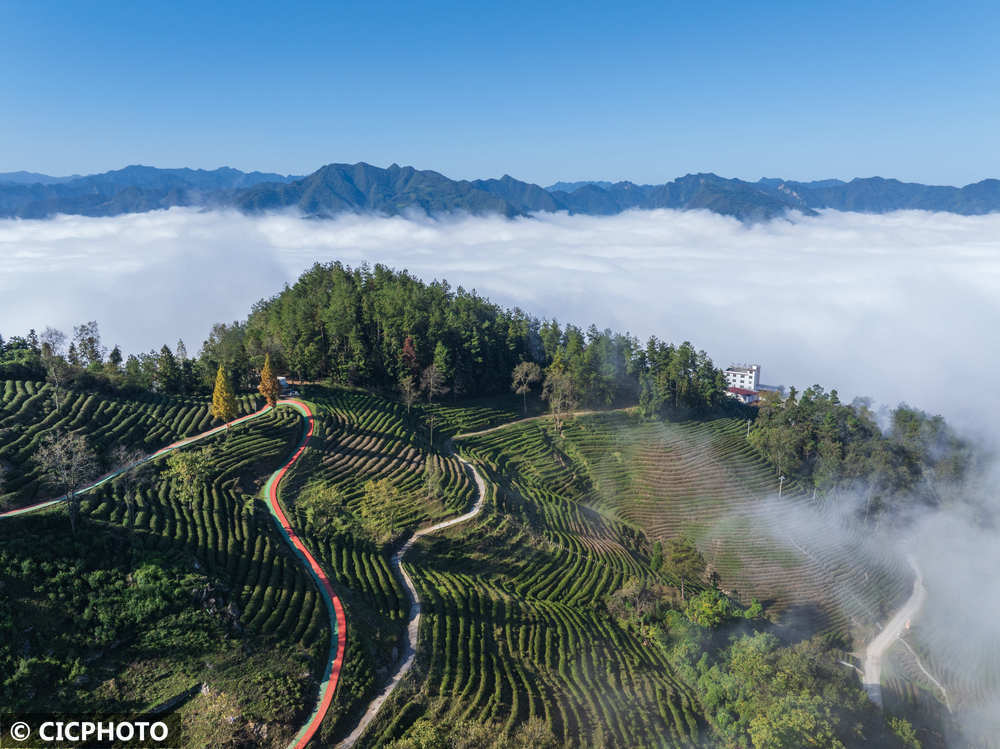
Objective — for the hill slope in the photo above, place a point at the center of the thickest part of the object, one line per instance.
(519, 637)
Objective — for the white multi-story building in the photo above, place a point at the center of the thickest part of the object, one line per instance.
(744, 377)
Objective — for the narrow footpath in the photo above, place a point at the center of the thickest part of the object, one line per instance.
(334, 608)
(118, 471)
(872, 676)
(413, 624)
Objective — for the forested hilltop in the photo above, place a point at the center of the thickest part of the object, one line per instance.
(374, 328)
(385, 330)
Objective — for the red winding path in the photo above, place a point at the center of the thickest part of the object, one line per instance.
(338, 621)
(335, 610)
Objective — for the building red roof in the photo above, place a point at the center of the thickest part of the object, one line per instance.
(742, 391)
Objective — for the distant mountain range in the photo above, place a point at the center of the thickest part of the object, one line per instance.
(363, 188)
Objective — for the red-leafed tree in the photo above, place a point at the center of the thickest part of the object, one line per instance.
(409, 357)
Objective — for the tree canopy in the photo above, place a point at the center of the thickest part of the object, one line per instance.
(268, 386)
(223, 398)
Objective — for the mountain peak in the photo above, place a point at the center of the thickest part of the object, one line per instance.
(362, 187)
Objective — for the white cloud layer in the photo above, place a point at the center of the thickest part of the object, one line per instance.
(899, 306)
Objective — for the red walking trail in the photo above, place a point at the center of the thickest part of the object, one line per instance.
(338, 621)
(335, 610)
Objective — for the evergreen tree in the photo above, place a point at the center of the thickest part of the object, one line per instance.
(379, 508)
(190, 468)
(268, 386)
(443, 363)
(115, 360)
(168, 374)
(133, 371)
(656, 560)
(223, 399)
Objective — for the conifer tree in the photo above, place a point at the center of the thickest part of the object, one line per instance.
(223, 399)
(268, 386)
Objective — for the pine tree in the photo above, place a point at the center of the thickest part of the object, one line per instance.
(168, 374)
(115, 360)
(223, 399)
(268, 386)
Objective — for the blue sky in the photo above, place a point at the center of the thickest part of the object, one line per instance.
(543, 91)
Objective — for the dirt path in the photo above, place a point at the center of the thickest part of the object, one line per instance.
(413, 625)
(872, 678)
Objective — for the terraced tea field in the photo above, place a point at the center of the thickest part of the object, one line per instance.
(514, 626)
(703, 480)
(364, 438)
(360, 437)
(146, 421)
(263, 613)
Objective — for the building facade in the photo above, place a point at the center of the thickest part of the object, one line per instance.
(745, 377)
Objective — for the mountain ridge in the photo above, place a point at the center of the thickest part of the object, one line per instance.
(363, 188)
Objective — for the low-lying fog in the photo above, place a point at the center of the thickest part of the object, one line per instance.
(898, 307)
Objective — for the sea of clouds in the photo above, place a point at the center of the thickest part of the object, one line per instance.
(900, 307)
